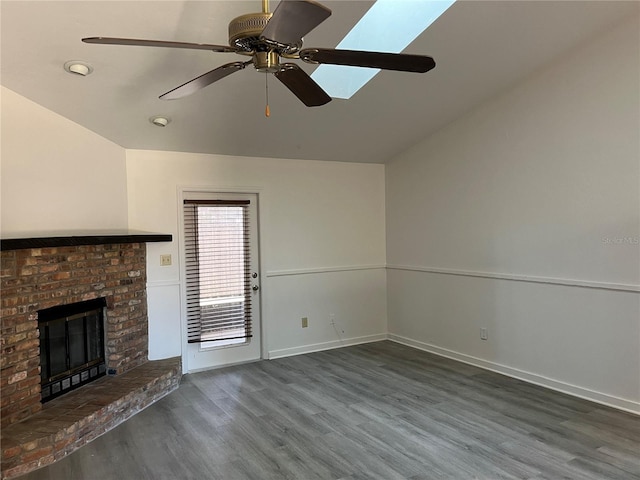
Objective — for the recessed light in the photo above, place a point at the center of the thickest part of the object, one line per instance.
(160, 121)
(78, 67)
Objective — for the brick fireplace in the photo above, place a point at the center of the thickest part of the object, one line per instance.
(38, 274)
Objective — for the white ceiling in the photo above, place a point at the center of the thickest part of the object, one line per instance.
(480, 48)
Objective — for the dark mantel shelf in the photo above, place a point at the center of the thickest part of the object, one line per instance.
(76, 238)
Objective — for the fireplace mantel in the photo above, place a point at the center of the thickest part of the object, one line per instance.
(77, 238)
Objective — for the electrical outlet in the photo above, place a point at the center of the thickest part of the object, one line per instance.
(305, 322)
(332, 318)
(165, 260)
(484, 334)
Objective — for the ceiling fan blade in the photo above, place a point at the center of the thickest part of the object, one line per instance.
(356, 58)
(157, 43)
(202, 81)
(293, 19)
(302, 86)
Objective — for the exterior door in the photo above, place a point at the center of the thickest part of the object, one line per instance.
(221, 287)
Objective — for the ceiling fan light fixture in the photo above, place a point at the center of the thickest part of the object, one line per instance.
(78, 67)
(160, 121)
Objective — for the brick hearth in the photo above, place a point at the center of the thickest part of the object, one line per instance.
(71, 421)
(66, 270)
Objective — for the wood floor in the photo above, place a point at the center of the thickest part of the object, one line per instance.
(374, 411)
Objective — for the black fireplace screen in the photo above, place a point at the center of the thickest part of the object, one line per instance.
(71, 346)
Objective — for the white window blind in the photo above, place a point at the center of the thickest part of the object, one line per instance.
(218, 277)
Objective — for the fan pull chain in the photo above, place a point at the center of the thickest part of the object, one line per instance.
(267, 111)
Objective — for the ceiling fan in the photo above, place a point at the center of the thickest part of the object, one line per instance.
(269, 37)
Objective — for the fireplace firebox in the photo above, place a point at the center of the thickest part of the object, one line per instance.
(72, 352)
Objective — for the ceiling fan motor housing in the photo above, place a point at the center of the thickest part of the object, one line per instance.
(245, 30)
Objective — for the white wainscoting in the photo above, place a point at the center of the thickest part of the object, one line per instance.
(578, 339)
(163, 304)
(354, 295)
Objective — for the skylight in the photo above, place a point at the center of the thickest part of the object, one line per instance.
(388, 26)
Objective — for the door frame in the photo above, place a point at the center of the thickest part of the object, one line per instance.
(182, 190)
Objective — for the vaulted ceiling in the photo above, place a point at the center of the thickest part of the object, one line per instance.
(480, 48)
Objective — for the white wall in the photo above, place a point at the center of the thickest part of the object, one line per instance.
(523, 217)
(322, 244)
(57, 175)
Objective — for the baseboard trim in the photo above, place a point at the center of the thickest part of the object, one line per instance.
(318, 347)
(584, 393)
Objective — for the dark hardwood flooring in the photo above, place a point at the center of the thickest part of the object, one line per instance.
(374, 411)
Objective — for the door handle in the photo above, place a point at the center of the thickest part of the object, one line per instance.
(255, 288)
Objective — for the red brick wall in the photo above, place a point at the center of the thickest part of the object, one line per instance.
(34, 279)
